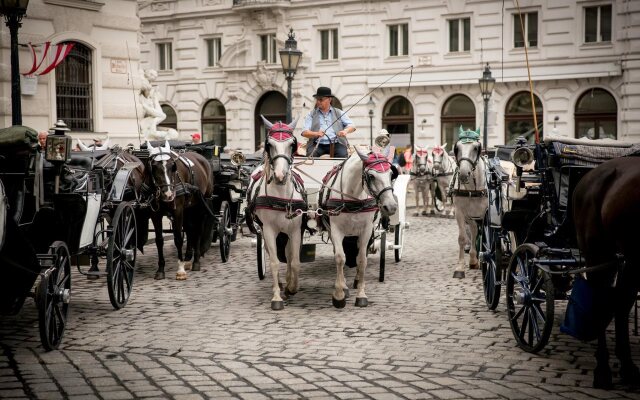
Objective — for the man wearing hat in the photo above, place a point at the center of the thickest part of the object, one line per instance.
(325, 125)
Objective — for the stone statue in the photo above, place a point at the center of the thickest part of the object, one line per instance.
(152, 113)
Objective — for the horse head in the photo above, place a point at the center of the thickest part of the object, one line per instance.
(421, 161)
(163, 169)
(280, 145)
(439, 155)
(377, 176)
(467, 151)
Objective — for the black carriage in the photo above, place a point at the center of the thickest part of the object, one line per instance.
(536, 234)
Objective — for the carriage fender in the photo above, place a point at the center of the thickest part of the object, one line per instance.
(400, 192)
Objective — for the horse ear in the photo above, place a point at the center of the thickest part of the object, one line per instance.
(478, 131)
(268, 124)
(105, 146)
(461, 131)
(83, 146)
(444, 147)
(363, 157)
(292, 124)
(166, 147)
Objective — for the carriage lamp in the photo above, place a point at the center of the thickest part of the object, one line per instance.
(58, 147)
(522, 156)
(237, 158)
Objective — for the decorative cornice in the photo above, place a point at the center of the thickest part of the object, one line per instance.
(91, 5)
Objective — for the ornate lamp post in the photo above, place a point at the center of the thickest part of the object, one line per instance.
(371, 105)
(290, 57)
(13, 11)
(486, 88)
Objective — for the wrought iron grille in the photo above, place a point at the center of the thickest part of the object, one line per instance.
(74, 89)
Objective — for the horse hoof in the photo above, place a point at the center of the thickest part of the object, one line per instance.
(181, 276)
(339, 303)
(362, 302)
(416, 214)
(93, 277)
(424, 213)
(458, 274)
(474, 266)
(195, 267)
(188, 266)
(277, 305)
(630, 375)
(602, 382)
(159, 275)
(289, 293)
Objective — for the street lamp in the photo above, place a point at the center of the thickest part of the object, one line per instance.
(13, 11)
(371, 105)
(486, 88)
(290, 57)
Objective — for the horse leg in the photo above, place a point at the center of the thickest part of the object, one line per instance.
(425, 199)
(293, 263)
(626, 294)
(473, 251)
(269, 237)
(178, 219)
(156, 218)
(339, 297)
(602, 373)
(361, 297)
(417, 193)
(462, 237)
(187, 228)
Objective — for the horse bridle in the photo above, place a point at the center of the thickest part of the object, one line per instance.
(164, 185)
(473, 163)
(367, 180)
(426, 163)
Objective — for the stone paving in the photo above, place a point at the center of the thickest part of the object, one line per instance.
(424, 335)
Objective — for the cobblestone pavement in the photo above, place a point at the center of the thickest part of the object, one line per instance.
(424, 335)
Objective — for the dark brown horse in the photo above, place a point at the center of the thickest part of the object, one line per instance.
(183, 184)
(607, 218)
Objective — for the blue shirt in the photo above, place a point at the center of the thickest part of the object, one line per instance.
(325, 120)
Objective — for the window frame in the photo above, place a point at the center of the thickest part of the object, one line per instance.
(597, 118)
(598, 24)
(461, 36)
(85, 52)
(525, 36)
(333, 43)
(213, 51)
(524, 116)
(272, 50)
(219, 120)
(402, 44)
(163, 55)
(469, 119)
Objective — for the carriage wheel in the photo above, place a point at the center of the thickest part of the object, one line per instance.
(491, 262)
(52, 297)
(224, 230)
(121, 255)
(529, 300)
(261, 256)
(399, 241)
(383, 248)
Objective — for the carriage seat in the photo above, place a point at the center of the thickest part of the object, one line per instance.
(80, 161)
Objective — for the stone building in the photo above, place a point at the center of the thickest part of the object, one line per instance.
(91, 90)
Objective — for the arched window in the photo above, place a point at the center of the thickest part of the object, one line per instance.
(397, 119)
(457, 111)
(596, 115)
(518, 118)
(74, 89)
(171, 121)
(214, 123)
(273, 105)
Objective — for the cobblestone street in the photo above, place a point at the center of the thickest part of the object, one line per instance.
(424, 335)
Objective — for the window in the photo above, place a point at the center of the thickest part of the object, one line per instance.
(165, 56)
(273, 106)
(329, 44)
(397, 119)
(398, 40)
(214, 51)
(597, 24)
(214, 123)
(74, 89)
(530, 22)
(171, 121)
(596, 115)
(268, 50)
(459, 35)
(457, 111)
(519, 118)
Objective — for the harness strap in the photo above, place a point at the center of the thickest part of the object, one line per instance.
(469, 193)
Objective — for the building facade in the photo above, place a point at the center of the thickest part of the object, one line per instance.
(91, 90)
(409, 66)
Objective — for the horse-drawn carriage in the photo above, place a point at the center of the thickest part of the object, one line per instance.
(529, 236)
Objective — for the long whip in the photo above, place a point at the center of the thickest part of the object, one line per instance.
(133, 91)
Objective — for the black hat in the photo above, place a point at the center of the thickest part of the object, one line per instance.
(323, 92)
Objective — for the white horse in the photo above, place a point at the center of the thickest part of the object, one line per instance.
(444, 166)
(275, 196)
(469, 194)
(352, 196)
(422, 177)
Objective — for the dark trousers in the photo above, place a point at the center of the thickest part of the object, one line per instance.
(339, 150)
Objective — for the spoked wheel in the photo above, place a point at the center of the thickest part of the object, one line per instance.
(224, 230)
(383, 248)
(261, 256)
(529, 300)
(121, 255)
(399, 241)
(52, 297)
(491, 262)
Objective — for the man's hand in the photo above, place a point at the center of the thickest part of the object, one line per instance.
(342, 133)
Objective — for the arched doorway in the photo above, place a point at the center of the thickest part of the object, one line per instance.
(596, 115)
(457, 111)
(171, 121)
(74, 89)
(397, 119)
(214, 123)
(518, 118)
(273, 105)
